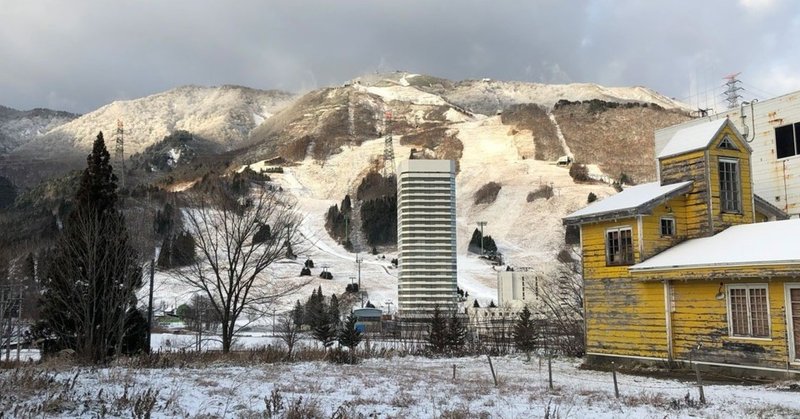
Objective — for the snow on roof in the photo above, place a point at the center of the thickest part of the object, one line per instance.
(692, 138)
(747, 244)
(629, 199)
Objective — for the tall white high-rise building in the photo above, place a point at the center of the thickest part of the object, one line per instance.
(426, 233)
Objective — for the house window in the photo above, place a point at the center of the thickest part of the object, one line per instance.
(667, 226)
(619, 246)
(787, 143)
(748, 308)
(729, 195)
(727, 144)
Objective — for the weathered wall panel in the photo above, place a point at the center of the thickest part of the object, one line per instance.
(700, 326)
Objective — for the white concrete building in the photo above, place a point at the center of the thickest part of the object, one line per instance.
(517, 289)
(772, 129)
(426, 235)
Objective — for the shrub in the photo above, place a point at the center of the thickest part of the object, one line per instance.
(591, 198)
(487, 193)
(544, 191)
(579, 172)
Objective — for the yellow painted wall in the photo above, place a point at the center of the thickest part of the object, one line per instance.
(653, 241)
(625, 317)
(691, 166)
(593, 240)
(722, 220)
(626, 312)
(700, 326)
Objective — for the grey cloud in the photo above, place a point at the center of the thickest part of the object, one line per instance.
(81, 55)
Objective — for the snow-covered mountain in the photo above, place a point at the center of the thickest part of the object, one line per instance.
(224, 115)
(327, 140)
(20, 127)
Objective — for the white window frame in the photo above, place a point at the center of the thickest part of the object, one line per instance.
(794, 358)
(737, 179)
(748, 287)
(608, 249)
(661, 226)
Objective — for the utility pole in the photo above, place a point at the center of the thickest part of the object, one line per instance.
(150, 304)
(360, 292)
(19, 321)
(731, 90)
(481, 224)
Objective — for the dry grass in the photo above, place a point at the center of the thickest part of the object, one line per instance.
(544, 192)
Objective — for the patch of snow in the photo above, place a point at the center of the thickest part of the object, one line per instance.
(174, 157)
(693, 138)
(258, 119)
(453, 115)
(630, 198)
(736, 245)
(403, 93)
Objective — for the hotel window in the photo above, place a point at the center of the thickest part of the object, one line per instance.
(729, 195)
(619, 246)
(787, 143)
(748, 308)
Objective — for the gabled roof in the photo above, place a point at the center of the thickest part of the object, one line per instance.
(763, 206)
(696, 137)
(639, 199)
(774, 242)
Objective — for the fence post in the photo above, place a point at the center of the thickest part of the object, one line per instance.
(614, 374)
(700, 384)
(454, 372)
(492, 368)
(550, 370)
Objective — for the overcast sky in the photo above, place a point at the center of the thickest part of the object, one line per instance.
(79, 55)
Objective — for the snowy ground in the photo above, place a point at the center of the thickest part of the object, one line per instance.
(401, 387)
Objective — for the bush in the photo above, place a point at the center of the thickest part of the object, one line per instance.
(489, 246)
(579, 172)
(544, 191)
(591, 198)
(487, 194)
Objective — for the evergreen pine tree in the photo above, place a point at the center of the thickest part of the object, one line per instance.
(333, 312)
(324, 333)
(437, 332)
(91, 279)
(525, 333)
(297, 314)
(456, 333)
(349, 336)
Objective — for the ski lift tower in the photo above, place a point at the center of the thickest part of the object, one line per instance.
(120, 151)
(388, 146)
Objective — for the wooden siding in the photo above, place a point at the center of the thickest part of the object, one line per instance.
(700, 326)
(721, 220)
(691, 166)
(625, 317)
(654, 242)
(593, 240)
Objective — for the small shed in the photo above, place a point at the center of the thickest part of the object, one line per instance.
(368, 320)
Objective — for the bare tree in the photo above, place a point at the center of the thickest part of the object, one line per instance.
(231, 269)
(289, 332)
(562, 306)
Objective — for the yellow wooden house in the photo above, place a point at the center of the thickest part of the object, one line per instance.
(682, 269)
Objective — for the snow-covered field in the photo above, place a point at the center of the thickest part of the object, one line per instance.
(396, 387)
